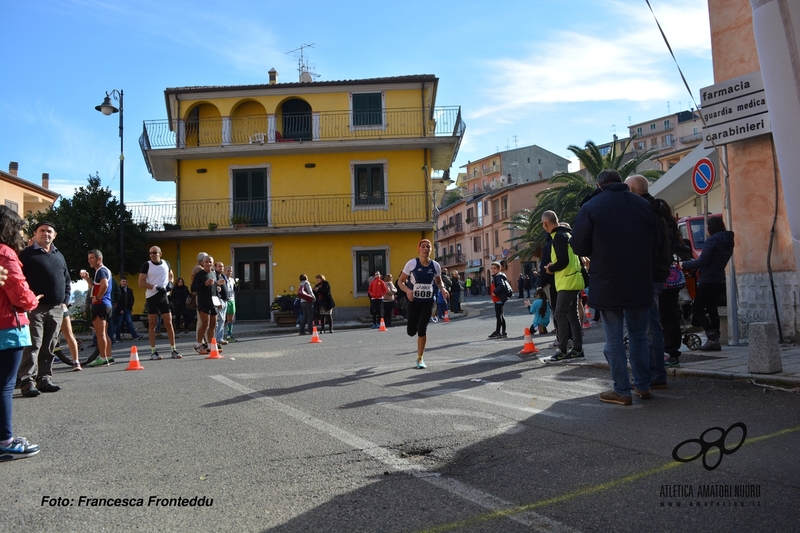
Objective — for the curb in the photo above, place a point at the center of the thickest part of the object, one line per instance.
(770, 379)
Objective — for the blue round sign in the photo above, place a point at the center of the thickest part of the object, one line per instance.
(703, 176)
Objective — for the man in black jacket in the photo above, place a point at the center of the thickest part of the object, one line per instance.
(124, 310)
(638, 184)
(618, 231)
(46, 271)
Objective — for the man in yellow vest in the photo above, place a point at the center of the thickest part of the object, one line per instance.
(566, 266)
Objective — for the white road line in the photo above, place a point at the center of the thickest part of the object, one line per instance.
(387, 457)
(523, 408)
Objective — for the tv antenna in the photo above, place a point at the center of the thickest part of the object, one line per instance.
(306, 76)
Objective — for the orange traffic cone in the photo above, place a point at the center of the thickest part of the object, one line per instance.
(383, 326)
(314, 336)
(529, 346)
(446, 316)
(587, 311)
(133, 363)
(214, 354)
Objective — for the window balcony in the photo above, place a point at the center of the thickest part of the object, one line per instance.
(693, 138)
(288, 213)
(165, 141)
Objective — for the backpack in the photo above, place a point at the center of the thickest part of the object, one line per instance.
(502, 288)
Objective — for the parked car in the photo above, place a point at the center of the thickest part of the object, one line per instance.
(693, 229)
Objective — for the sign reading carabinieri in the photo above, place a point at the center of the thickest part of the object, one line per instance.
(735, 110)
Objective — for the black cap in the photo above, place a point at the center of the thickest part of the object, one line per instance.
(44, 223)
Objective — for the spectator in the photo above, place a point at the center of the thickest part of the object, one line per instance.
(717, 251)
(540, 311)
(180, 293)
(46, 272)
(230, 311)
(456, 290)
(377, 289)
(521, 286)
(565, 265)
(16, 297)
(617, 230)
(324, 302)
(307, 299)
(499, 298)
(388, 300)
(124, 311)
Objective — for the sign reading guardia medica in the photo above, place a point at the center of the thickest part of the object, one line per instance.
(734, 110)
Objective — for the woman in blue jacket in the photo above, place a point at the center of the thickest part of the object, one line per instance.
(717, 251)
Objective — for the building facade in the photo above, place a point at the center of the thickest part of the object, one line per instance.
(21, 195)
(280, 179)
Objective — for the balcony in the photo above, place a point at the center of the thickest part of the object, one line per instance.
(449, 230)
(289, 214)
(165, 141)
(688, 139)
(452, 259)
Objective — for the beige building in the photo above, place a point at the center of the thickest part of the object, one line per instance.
(21, 195)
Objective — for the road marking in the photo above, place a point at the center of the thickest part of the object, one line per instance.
(523, 408)
(586, 491)
(389, 458)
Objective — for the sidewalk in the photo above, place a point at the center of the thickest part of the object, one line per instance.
(730, 363)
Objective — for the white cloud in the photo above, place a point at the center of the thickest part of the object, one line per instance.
(631, 64)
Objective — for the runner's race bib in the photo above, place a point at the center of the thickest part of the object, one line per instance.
(423, 290)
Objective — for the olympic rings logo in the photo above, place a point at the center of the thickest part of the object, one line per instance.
(707, 446)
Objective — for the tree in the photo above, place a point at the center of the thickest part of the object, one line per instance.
(90, 220)
(565, 199)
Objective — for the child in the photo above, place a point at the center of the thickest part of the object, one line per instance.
(540, 311)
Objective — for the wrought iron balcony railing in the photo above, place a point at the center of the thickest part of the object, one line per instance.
(283, 211)
(313, 126)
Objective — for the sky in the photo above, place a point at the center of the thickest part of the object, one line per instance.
(548, 72)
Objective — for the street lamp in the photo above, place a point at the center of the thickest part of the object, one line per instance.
(107, 108)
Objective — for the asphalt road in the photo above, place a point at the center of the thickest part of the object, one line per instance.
(282, 435)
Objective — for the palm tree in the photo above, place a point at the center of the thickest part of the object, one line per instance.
(572, 187)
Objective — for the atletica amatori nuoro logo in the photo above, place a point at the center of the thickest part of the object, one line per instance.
(707, 446)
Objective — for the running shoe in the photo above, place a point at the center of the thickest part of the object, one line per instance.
(176, 355)
(100, 361)
(421, 363)
(155, 357)
(76, 366)
(495, 335)
(672, 362)
(558, 357)
(572, 354)
(504, 335)
(19, 448)
(202, 350)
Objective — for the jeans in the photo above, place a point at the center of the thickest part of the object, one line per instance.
(219, 330)
(37, 359)
(9, 364)
(567, 319)
(658, 373)
(308, 316)
(126, 318)
(614, 350)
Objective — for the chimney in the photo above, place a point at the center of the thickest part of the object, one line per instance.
(45, 180)
(273, 76)
(13, 168)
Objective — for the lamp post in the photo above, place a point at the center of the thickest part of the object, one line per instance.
(107, 108)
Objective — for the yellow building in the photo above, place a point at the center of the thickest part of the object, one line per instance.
(280, 179)
(21, 195)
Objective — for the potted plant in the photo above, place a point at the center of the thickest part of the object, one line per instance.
(169, 227)
(240, 220)
(212, 226)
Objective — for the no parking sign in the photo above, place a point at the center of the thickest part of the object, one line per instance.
(703, 176)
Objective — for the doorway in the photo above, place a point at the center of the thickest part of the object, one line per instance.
(252, 268)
